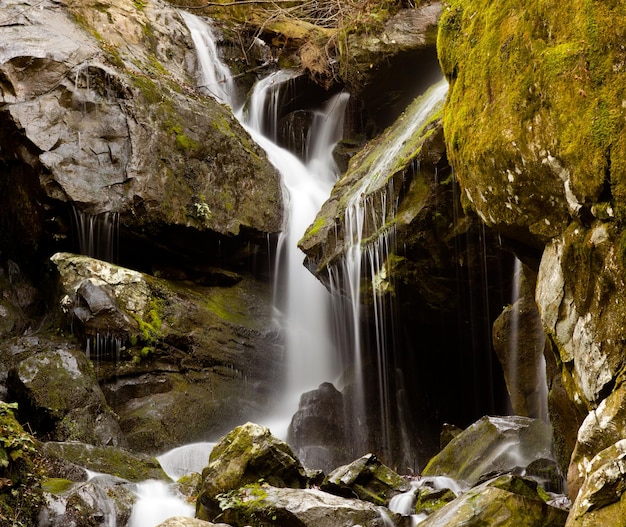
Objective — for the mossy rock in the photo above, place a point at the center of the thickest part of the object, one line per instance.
(366, 478)
(552, 77)
(492, 444)
(508, 501)
(117, 462)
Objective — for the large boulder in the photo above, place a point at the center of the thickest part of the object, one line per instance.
(549, 79)
(248, 454)
(285, 507)
(174, 358)
(493, 444)
(107, 121)
(507, 501)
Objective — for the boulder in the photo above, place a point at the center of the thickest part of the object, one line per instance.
(248, 454)
(108, 122)
(286, 507)
(493, 444)
(507, 501)
(55, 384)
(600, 498)
(117, 462)
(174, 358)
(367, 479)
(317, 430)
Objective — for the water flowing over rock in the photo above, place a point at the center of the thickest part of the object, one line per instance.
(494, 444)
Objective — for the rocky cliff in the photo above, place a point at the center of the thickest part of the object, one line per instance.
(534, 127)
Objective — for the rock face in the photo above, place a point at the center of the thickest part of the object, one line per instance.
(172, 358)
(550, 176)
(107, 122)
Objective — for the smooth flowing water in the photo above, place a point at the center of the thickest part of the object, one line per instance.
(373, 203)
(302, 303)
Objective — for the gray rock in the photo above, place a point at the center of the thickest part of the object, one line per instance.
(285, 507)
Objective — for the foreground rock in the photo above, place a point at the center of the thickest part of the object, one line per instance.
(248, 454)
(285, 507)
(366, 479)
(507, 501)
(181, 521)
(496, 444)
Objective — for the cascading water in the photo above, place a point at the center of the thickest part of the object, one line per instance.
(373, 203)
(302, 303)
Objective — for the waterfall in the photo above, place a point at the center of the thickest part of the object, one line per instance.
(98, 234)
(367, 244)
(302, 303)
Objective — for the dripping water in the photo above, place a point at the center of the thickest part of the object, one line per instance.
(98, 234)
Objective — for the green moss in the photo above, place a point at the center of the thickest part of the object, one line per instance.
(21, 472)
(56, 485)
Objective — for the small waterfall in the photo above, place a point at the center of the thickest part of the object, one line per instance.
(302, 303)
(98, 234)
(367, 244)
(156, 502)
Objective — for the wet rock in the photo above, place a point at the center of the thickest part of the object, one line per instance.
(52, 379)
(102, 501)
(519, 342)
(285, 507)
(117, 462)
(367, 479)
(507, 501)
(317, 430)
(248, 454)
(176, 360)
(493, 444)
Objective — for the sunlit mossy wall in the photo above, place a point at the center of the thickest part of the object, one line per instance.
(535, 117)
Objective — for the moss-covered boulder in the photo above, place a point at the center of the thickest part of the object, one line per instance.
(249, 454)
(552, 78)
(367, 479)
(56, 386)
(118, 462)
(175, 359)
(507, 501)
(493, 444)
